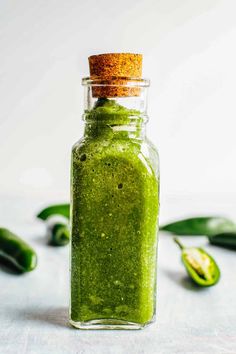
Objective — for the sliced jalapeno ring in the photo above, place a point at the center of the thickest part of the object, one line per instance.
(59, 234)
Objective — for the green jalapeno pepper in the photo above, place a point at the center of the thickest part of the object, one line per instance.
(200, 266)
(57, 209)
(227, 240)
(58, 231)
(17, 251)
(200, 226)
(56, 217)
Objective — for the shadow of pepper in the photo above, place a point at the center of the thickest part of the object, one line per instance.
(185, 281)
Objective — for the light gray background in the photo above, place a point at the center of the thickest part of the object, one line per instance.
(189, 54)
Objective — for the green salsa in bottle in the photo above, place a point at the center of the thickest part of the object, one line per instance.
(114, 202)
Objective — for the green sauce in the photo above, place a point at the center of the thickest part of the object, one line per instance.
(114, 219)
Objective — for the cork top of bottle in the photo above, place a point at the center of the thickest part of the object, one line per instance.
(113, 71)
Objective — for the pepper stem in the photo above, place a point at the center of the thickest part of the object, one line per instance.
(178, 243)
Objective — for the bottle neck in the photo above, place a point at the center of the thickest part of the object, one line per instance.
(116, 117)
(110, 126)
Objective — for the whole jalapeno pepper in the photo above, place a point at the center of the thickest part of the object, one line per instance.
(226, 240)
(17, 251)
(204, 225)
(200, 266)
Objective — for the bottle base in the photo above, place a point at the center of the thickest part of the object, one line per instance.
(109, 324)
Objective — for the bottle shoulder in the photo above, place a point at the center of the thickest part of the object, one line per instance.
(110, 144)
(153, 154)
(141, 154)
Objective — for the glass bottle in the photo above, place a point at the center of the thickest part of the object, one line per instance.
(114, 209)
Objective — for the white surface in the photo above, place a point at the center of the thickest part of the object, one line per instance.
(189, 55)
(34, 307)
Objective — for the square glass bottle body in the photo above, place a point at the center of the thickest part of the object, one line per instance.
(114, 220)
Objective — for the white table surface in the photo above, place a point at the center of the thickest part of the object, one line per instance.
(34, 306)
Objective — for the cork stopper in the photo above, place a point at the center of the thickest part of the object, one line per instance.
(113, 72)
